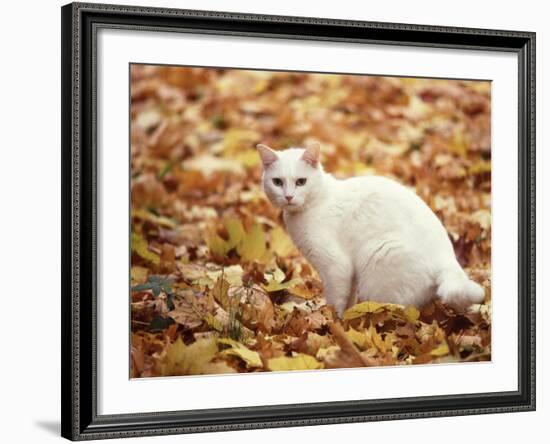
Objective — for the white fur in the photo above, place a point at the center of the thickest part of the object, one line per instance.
(369, 238)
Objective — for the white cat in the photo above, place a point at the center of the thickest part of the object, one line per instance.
(368, 237)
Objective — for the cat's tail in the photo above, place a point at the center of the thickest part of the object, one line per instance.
(457, 290)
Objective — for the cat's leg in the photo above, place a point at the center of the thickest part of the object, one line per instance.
(337, 280)
(353, 297)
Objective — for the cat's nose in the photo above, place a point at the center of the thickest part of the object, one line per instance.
(289, 198)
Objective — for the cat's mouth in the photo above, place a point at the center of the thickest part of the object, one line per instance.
(291, 206)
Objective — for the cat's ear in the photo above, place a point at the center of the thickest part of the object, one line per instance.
(311, 154)
(267, 154)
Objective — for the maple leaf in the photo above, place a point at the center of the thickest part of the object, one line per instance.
(360, 309)
(275, 280)
(190, 311)
(253, 245)
(181, 359)
(250, 357)
(298, 361)
(236, 232)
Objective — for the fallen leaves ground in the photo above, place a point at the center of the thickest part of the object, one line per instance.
(217, 285)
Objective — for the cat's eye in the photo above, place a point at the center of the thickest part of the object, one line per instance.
(301, 182)
(277, 182)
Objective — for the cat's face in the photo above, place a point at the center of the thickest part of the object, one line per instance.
(291, 177)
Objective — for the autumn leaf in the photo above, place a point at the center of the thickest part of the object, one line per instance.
(218, 368)
(250, 357)
(253, 246)
(220, 292)
(362, 308)
(441, 350)
(139, 274)
(153, 218)
(280, 242)
(299, 361)
(275, 280)
(188, 311)
(181, 359)
(236, 138)
(192, 272)
(301, 290)
(412, 313)
(140, 247)
(236, 232)
(232, 274)
(360, 339)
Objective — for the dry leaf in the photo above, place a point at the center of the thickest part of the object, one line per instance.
(297, 362)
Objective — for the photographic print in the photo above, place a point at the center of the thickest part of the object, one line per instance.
(307, 221)
(273, 221)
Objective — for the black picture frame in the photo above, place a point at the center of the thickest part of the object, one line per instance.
(80, 22)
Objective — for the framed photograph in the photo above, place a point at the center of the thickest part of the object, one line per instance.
(280, 221)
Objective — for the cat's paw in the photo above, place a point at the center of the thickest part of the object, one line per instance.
(339, 310)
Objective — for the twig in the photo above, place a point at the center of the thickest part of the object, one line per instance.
(346, 345)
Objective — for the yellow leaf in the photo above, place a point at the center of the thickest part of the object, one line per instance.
(151, 217)
(140, 247)
(360, 309)
(232, 274)
(236, 232)
(460, 143)
(280, 242)
(218, 368)
(217, 245)
(326, 351)
(275, 280)
(181, 359)
(412, 313)
(235, 139)
(248, 158)
(276, 275)
(252, 248)
(480, 167)
(250, 357)
(213, 322)
(377, 340)
(441, 350)
(358, 338)
(139, 274)
(220, 293)
(299, 361)
(277, 286)
(301, 290)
